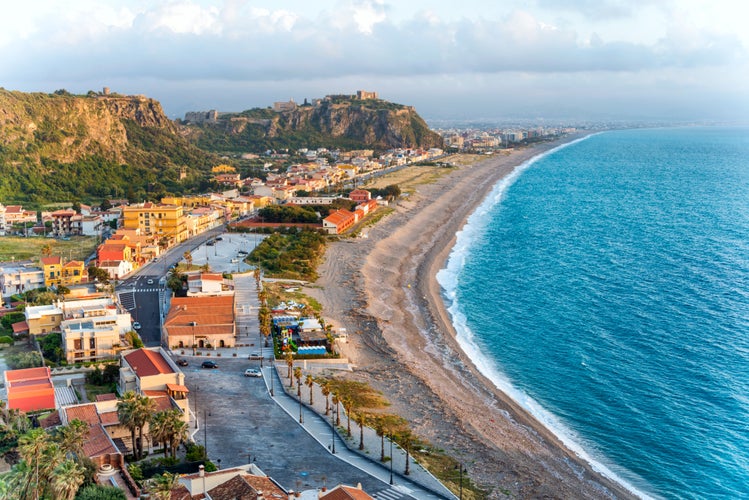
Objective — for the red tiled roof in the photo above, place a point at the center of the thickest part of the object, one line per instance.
(26, 374)
(146, 363)
(106, 397)
(85, 413)
(98, 443)
(211, 315)
(19, 327)
(342, 492)
(109, 418)
(50, 261)
(177, 388)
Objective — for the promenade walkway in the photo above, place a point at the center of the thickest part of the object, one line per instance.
(419, 483)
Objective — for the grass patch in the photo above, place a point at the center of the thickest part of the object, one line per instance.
(17, 248)
(94, 390)
(277, 292)
(447, 470)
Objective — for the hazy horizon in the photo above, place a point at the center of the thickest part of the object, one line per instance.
(557, 60)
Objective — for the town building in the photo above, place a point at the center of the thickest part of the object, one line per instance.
(19, 278)
(93, 329)
(30, 389)
(360, 195)
(200, 322)
(151, 372)
(157, 220)
(241, 482)
(52, 267)
(339, 221)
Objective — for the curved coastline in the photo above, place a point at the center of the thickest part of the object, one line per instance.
(447, 278)
(402, 341)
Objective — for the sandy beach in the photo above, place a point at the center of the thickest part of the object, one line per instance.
(383, 290)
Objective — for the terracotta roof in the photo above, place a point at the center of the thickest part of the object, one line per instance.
(73, 263)
(109, 418)
(19, 327)
(342, 492)
(50, 261)
(161, 402)
(177, 388)
(211, 315)
(63, 213)
(85, 413)
(27, 374)
(106, 397)
(146, 363)
(339, 216)
(98, 443)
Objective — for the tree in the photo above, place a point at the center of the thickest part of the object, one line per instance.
(99, 492)
(325, 389)
(72, 436)
(309, 381)
(47, 250)
(289, 358)
(161, 486)
(348, 405)
(134, 339)
(98, 274)
(335, 401)
(105, 205)
(67, 478)
(298, 376)
(126, 411)
(361, 419)
(143, 409)
(188, 258)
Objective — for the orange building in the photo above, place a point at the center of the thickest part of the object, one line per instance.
(30, 389)
(339, 221)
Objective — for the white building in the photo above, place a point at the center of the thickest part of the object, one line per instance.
(20, 277)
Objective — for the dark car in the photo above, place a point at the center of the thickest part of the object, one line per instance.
(182, 362)
(209, 364)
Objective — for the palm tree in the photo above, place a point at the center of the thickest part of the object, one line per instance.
(335, 401)
(158, 428)
(143, 410)
(178, 431)
(72, 436)
(47, 250)
(188, 258)
(325, 389)
(348, 403)
(298, 376)
(361, 418)
(32, 447)
(309, 381)
(289, 358)
(126, 409)
(163, 485)
(379, 426)
(67, 478)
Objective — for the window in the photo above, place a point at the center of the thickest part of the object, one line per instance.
(92, 343)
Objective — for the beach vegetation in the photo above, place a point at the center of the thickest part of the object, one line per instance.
(295, 255)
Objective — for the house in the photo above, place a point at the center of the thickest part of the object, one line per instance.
(360, 195)
(104, 430)
(339, 221)
(62, 222)
(19, 278)
(204, 283)
(343, 492)
(241, 482)
(74, 272)
(52, 267)
(92, 329)
(116, 268)
(151, 372)
(158, 220)
(43, 319)
(30, 389)
(202, 322)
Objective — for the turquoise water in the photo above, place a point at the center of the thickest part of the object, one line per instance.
(605, 286)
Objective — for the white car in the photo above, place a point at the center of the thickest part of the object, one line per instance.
(252, 372)
(136, 326)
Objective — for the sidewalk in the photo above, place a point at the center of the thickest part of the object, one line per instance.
(418, 484)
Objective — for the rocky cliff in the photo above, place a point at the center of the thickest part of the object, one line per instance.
(66, 128)
(331, 122)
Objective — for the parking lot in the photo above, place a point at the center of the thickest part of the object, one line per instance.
(244, 423)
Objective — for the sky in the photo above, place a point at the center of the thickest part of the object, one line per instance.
(494, 60)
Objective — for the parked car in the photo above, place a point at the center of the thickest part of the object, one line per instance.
(182, 362)
(209, 364)
(254, 355)
(252, 372)
(136, 326)
(150, 282)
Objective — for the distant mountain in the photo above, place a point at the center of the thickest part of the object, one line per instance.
(344, 122)
(58, 147)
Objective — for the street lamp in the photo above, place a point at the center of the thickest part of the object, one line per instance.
(391, 459)
(332, 431)
(193, 324)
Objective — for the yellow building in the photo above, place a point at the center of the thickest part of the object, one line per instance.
(52, 267)
(74, 272)
(158, 220)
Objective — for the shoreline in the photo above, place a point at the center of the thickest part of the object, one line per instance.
(384, 290)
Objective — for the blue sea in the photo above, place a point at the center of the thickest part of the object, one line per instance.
(605, 286)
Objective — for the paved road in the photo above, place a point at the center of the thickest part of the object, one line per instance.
(243, 421)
